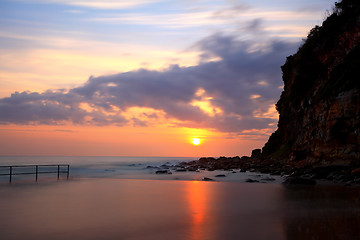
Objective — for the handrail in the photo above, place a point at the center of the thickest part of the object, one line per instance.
(37, 170)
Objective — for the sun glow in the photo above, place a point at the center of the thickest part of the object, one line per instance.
(196, 141)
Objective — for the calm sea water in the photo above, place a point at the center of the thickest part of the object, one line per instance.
(133, 209)
(124, 168)
(120, 198)
(97, 166)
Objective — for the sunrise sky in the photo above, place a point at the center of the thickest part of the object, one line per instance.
(145, 77)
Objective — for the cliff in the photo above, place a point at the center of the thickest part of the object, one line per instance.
(319, 109)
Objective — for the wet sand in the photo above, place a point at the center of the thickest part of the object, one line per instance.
(153, 209)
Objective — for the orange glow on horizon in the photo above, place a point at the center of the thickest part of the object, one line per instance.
(77, 140)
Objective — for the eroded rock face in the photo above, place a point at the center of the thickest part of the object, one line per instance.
(319, 108)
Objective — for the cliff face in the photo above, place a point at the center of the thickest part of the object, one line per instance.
(320, 106)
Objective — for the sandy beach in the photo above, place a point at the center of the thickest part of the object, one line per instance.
(166, 209)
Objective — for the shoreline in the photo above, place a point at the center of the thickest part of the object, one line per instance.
(290, 174)
(224, 169)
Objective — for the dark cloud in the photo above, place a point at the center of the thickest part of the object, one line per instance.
(243, 81)
(255, 26)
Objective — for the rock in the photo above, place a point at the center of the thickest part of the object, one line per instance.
(344, 178)
(192, 168)
(163, 172)
(256, 154)
(355, 171)
(249, 180)
(180, 170)
(356, 181)
(151, 167)
(299, 181)
(205, 160)
(207, 179)
(327, 172)
(268, 179)
(220, 175)
(134, 164)
(276, 173)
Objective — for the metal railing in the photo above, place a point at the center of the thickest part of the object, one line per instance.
(35, 169)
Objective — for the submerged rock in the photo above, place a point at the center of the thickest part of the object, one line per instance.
(249, 180)
(151, 167)
(268, 179)
(220, 175)
(180, 170)
(207, 179)
(163, 172)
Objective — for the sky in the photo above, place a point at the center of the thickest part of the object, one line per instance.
(145, 77)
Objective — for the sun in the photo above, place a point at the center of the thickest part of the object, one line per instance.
(196, 141)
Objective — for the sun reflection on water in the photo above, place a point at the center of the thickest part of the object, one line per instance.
(197, 194)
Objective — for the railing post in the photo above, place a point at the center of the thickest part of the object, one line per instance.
(65, 167)
(10, 173)
(37, 171)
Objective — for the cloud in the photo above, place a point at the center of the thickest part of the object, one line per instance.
(255, 26)
(226, 87)
(231, 12)
(97, 4)
(174, 20)
(64, 130)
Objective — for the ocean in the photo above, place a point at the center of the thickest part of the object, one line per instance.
(121, 198)
(121, 168)
(94, 166)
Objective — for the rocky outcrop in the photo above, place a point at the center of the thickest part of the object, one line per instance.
(319, 109)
